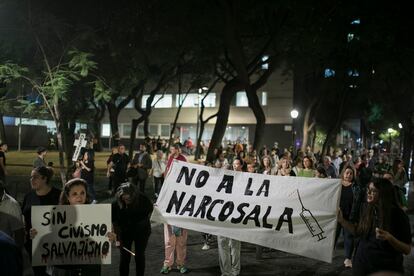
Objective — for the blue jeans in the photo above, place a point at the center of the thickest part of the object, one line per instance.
(91, 191)
(348, 241)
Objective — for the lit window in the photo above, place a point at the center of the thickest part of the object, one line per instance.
(353, 73)
(241, 99)
(126, 130)
(106, 130)
(356, 22)
(353, 86)
(210, 100)
(190, 101)
(329, 73)
(165, 102)
(264, 98)
(165, 130)
(265, 66)
(129, 105)
(153, 130)
(351, 37)
(140, 130)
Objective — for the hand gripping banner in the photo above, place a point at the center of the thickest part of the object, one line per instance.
(292, 214)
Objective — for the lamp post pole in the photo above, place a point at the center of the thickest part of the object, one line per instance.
(390, 130)
(293, 114)
(400, 126)
(197, 142)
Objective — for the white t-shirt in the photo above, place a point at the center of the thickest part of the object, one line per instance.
(158, 167)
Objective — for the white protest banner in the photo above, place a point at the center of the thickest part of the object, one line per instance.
(292, 214)
(71, 234)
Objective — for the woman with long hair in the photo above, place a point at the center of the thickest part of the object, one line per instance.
(285, 168)
(308, 169)
(42, 193)
(131, 219)
(383, 230)
(75, 192)
(350, 203)
(266, 166)
(87, 166)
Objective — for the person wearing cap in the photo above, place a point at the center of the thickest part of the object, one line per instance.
(40, 159)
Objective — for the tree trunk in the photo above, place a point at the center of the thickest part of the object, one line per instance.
(226, 97)
(113, 120)
(257, 109)
(313, 139)
(307, 126)
(327, 141)
(146, 127)
(200, 135)
(96, 130)
(134, 126)
(407, 143)
(3, 138)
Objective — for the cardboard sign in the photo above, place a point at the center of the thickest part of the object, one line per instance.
(71, 234)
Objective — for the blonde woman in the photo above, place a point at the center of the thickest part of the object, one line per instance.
(285, 168)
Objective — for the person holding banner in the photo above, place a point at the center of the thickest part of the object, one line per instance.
(229, 249)
(349, 203)
(384, 232)
(43, 193)
(308, 168)
(285, 169)
(175, 238)
(131, 219)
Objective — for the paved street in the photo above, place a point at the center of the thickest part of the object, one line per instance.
(205, 263)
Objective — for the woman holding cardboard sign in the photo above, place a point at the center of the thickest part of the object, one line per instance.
(43, 193)
(74, 193)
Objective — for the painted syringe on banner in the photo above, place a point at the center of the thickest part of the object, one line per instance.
(310, 221)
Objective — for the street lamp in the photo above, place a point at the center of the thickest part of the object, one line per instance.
(294, 114)
(372, 139)
(390, 130)
(200, 91)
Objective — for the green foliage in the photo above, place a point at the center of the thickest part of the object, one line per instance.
(101, 91)
(11, 71)
(386, 135)
(81, 62)
(55, 83)
(375, 113)
(320, 138)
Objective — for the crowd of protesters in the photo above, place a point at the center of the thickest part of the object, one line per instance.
(372, 219)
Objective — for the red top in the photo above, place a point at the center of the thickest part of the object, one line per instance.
(171, 158)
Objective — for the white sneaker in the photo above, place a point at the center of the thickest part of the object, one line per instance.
(348, 263)
(205, 247)
(94, 201)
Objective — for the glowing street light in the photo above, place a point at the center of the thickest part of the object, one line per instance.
(294, 114)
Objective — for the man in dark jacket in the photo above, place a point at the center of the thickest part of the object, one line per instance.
(142, 162)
